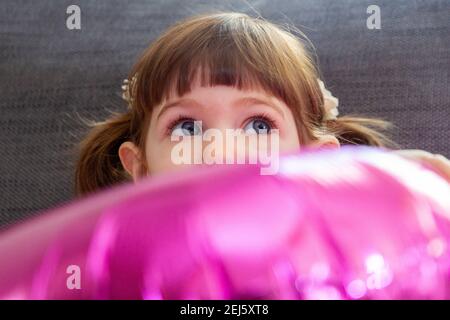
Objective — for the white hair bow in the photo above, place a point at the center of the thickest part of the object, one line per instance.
(331, 103)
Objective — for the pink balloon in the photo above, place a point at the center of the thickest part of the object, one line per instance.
(355, 223)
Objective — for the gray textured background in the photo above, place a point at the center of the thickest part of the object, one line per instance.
(49, 74)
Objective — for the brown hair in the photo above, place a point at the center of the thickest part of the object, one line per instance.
(222, 49)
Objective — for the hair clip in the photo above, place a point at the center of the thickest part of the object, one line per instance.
(331, 103)
(127, 90)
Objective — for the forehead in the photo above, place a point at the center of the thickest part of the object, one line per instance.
(221, 98)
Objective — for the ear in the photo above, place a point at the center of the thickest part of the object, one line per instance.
(131, 159)
(326, 141)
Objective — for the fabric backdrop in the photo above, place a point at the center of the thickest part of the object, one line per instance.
(51, 76)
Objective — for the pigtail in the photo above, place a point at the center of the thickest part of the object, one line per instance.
(99, 165)
(361, 131)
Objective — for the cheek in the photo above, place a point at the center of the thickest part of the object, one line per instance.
(157, 152)
(289, 134)
(288, 145)
(158, 156)
(289, 138)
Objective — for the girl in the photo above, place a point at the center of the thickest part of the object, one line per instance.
(227, 70)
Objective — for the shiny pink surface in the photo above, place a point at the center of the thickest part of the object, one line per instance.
(357, 223)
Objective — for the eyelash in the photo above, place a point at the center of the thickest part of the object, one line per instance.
(173, 123)
(265, 117)
(260, 116)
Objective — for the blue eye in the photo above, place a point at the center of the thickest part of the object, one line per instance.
(186, 128)
(258, 126)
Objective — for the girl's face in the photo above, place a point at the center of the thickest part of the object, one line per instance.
(218, 107)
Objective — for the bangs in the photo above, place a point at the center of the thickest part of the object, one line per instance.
(231, 50)
(212, 67)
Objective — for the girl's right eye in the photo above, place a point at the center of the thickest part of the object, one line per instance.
(187, 127)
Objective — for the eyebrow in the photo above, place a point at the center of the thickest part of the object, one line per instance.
(246, 101)
(183, 101)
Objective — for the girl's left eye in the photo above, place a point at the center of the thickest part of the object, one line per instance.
(259, 125)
